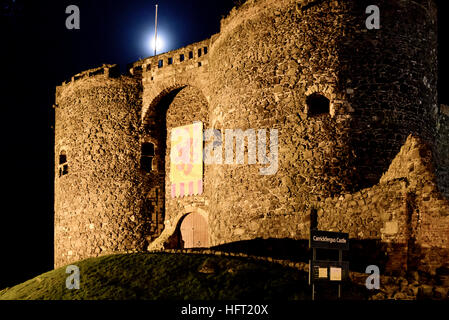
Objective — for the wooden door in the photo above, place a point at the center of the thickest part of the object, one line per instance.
(195, 231)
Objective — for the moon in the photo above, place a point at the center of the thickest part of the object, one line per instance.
(160, 44)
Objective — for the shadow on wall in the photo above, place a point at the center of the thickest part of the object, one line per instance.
(361, 254)
(385, 112)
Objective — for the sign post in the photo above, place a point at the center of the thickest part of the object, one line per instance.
(328, 271)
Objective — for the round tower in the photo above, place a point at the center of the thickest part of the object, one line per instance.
(343, 99)
(102, 201)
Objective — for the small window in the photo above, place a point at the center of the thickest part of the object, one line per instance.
(170, 61)
(147, 157)
(199, 64)
(205, 50)
(181, 57)
(318, 105)
(199, 52)
(63, 165)
(62, 158)
(148, 67)
(160, 63)
(148, 150)
(191, 55)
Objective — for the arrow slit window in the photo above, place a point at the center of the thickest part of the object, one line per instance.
(63, 164)
(147, 157)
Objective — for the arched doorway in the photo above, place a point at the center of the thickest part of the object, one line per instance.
(194, 231)
(182, 106)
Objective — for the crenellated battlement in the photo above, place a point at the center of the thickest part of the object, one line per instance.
(192, 56)
(106, 70)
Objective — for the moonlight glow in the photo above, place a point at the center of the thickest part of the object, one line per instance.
(160, 44)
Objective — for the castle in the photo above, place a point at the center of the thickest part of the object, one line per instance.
(363, 144)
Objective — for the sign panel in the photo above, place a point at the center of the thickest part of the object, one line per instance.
(335, 274)
(329, 270)
(186, 160)
(322, 273)
(329, 240)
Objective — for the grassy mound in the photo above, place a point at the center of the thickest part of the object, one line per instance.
(167, 277)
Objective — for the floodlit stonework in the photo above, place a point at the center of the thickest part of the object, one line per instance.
(363, 143)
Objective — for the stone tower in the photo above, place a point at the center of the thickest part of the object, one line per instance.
(343, 97)
(101, 198)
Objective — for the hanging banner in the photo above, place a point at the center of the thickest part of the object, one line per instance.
(186, 160)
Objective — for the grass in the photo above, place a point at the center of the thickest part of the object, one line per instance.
(161, 276)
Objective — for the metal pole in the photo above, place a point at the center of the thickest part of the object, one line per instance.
(310, 272)
(155, 34)
(313, 285)
(340, 258)
(156, 212)
(313, 292)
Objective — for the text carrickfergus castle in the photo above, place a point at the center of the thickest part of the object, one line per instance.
(363, 144)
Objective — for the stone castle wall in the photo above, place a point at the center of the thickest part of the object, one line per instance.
(377, 98)
(426, 230)
(365, 166)
(442, 150)
(99, 203)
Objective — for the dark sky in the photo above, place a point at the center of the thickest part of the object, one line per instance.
(38, 53)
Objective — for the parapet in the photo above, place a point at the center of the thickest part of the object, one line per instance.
(106, 70)
(191, 56)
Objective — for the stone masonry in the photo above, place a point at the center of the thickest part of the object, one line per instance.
(374, 163)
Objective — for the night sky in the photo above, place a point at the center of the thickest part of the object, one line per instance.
(39, 53)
